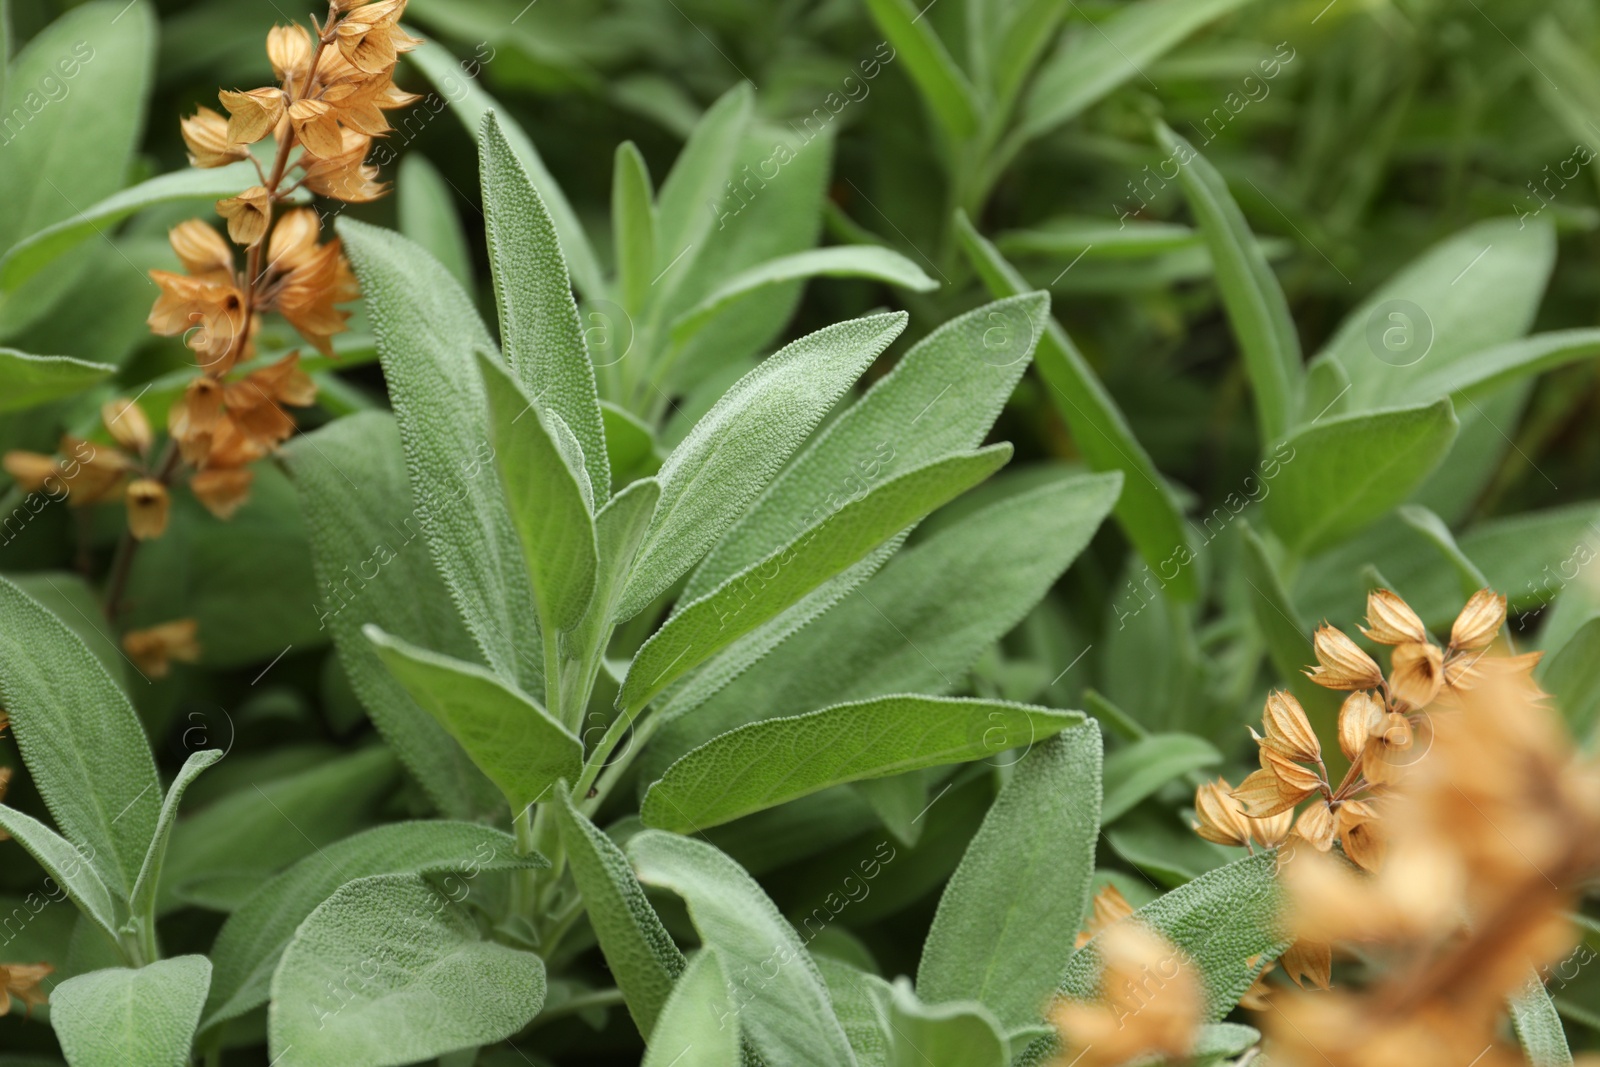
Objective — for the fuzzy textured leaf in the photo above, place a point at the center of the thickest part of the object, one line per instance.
(145, 1017)
(515, 741)
(27, 381)
(80, 738)
(642, 956)
(790, 1018)
(1006, 922)
(251, 943)
(734, 451)
(699, 1018)
(390, 971)
(538, 318)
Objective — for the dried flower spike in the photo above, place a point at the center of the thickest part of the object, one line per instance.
(1341, 663)
(154, 649)
(21, 980)
(148, 505)
(1479, 622)
(1151, 1002)
(1390, 620)
(127, 424)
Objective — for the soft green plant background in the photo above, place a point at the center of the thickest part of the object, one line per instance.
(1222, 335)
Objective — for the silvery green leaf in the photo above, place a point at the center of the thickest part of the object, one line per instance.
(733, 452)
(538, 318)
(633, 214)
(834, 542)
(118, 1017)
(373, 566)
(772, 762)
(787, 1015)
(697, 1019)
(250, 944)
(642, 956)
(545, 493)
(428, 334)
(1538, 1027)
(511, 738)
(388, 971)
(31, 380)
(83, 743)
(63, 861)
(1007, 920)
(143, 900)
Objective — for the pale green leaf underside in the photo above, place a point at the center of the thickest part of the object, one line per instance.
(699, 1024)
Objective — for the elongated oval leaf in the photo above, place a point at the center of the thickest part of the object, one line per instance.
(764, 589)
(545, 497)
(144, 891)
(944, 87)
(788, 1017)
(633, 213)
(37, 251)
(1250, 291)
(390, 971)
(1481, 372)
(1094, 60)
(1538, 1026)
(26, 381)
(1343, 473)
(251, 943)
(427, 333)
(120, 1016)
(698, 1018)
(470, 103)
(373, 566)
(642, 956)
(511, 738)
(1476, 289)
(1145, 509)
(764, 764)
(1572, 676)
(538, 317)
(733, 452)
(918, 625)
(1006, 922)
(64, 862)
(942, 396)
(846, 261)
(1136, 771)
(697, 179)
(80, 738)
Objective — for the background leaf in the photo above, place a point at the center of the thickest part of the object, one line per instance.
(145, 1016)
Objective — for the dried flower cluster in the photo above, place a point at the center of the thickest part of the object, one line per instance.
(335, 84)
(1151, 1002)
(21, 980)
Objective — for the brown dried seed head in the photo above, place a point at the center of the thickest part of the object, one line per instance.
(1416, 671)
(317, 127)
(1219, 816)
(32, 470)
(1263, 795)
(223, 492)
(1390, 620)
(1151, 1002)
(1288, 729)
(153, 650)
(1480, 621)
(127, 424)
(1341, 662)
(1356, 718)
(201, 249)
(289, 49)
(206, 135)
(247, 215)
(1309, 961)
(1361, 834)
(1110, 907)
(254, 114)
(1271, 831)
(1316, 825)
(148, 505)
(1293, 779)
